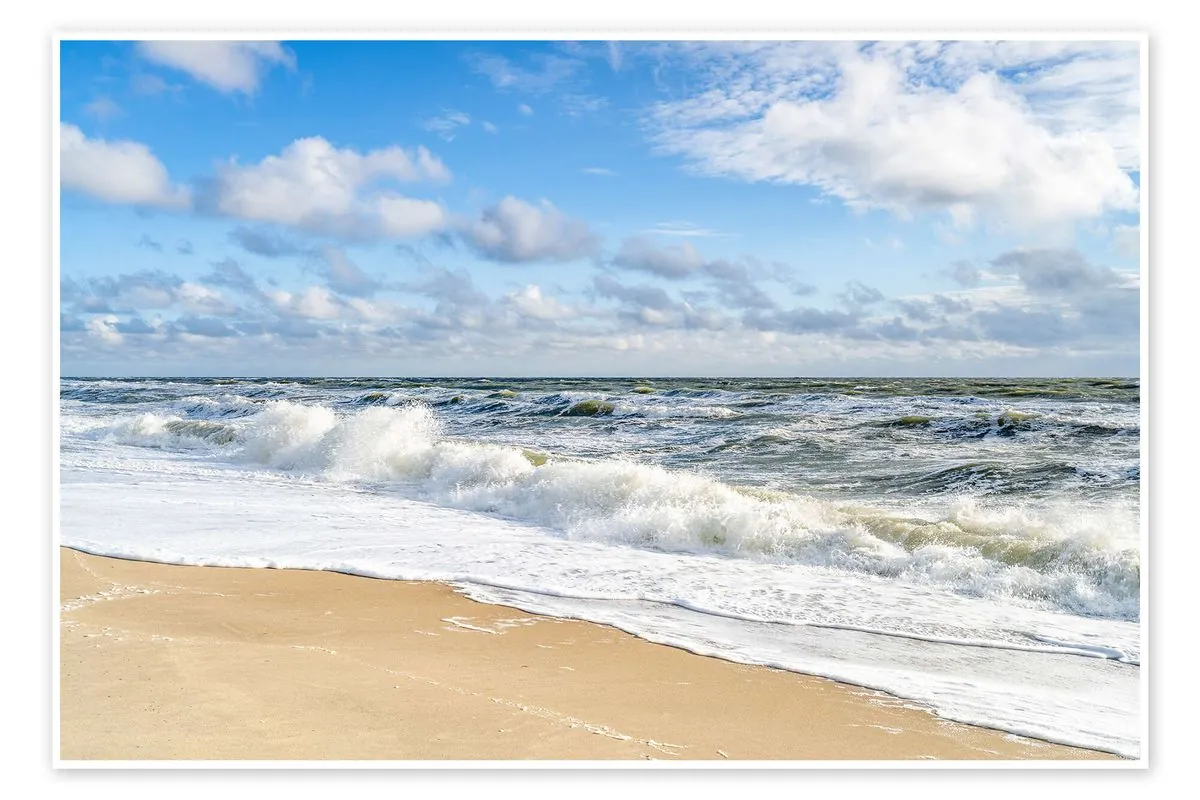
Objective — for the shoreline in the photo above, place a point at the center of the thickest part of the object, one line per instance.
(174, 662)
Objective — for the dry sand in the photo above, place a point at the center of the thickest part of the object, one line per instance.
(171, 662)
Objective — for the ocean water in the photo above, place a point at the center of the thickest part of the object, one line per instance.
(969, 545)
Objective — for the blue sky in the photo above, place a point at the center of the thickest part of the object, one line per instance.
(633, 208)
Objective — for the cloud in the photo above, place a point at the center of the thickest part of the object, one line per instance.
(1127, 239)
(601, 171)
(614, 55)
(315, 302)
(515, 231)
(316, 187)
(449, 289)
(733, 279)
(964, 273)
(343, 275)
(525, 110)
(102, 109)
(884, 129)
(489, 127)
(105, 329)
(545, 71)
(150, 244)
(676, 261)
(530, 302)
(681, 228)
(226, 66)
(447, 124)
(1054, 271)
(230, 274)
(644, 295)
(204, 326)
(184, 248)
(578, 105)
(146, 84)
(133, 292)
(263, 242)
(116, 172)
(858, 294)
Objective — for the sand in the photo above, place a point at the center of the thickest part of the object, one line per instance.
(175, 662)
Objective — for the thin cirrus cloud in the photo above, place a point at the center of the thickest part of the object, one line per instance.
(446, 124)
(225, 66)
(121, 172)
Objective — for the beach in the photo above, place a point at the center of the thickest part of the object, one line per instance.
(189, 663)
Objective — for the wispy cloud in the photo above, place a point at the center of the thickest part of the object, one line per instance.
(447, 123)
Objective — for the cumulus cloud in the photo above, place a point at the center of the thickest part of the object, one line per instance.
(1054, 271)
(515, 231)
(317, 187)
(530, 302)
(138, 291)
(226, 66)
(879, 131)
(675, 261)
(116, 172)
(315, 302)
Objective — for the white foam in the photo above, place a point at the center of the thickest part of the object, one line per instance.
(1027, 677)
(1074, 560)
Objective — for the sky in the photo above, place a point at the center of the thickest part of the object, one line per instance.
(635, 208)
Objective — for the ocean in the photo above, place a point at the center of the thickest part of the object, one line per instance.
(969, 545)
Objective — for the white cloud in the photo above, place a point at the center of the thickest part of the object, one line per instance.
(543, 73)
(899, 130)
(117, 172)
(525, 110)
(316, 302)
(614, 55)
(447, 123)
(200, 299)
(530, 302)
(489, 127)
(315, 186)
(601, 171)
(104, 328)
(514, 231)
(102, 109)
(226, 66)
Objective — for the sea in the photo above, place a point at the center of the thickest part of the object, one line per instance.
(971, 546)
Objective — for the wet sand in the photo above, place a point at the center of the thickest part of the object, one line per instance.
(174, 662)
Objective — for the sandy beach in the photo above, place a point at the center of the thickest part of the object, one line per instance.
(178, 662)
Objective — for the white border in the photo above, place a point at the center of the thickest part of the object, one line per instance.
(436, 33)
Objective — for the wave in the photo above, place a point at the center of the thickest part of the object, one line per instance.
(1074, 562)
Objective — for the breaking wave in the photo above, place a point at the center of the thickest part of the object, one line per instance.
(1073, 561)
